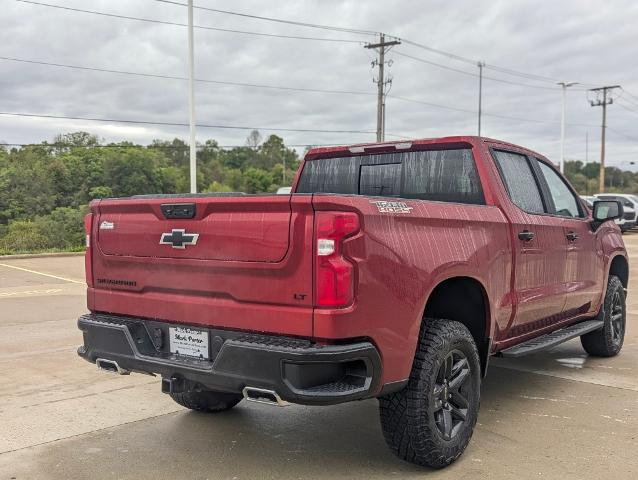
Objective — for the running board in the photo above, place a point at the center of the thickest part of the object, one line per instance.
(552, 339)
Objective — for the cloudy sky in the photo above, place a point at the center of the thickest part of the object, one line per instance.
(590, 42)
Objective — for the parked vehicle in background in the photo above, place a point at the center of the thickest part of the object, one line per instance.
(392, 271)
(284, 190)
(630, 207)
(623, 223)
(589, 200)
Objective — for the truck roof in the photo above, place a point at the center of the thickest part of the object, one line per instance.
(407, 144)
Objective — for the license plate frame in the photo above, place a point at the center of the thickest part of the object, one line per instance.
(189, 342)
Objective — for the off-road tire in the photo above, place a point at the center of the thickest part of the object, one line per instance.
(207, 400)
(608, 341)
(408, 416)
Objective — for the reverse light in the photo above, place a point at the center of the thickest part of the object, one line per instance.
(334, 273)
(325, 247)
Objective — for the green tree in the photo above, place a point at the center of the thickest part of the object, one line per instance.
(132, 171)
(257, 180)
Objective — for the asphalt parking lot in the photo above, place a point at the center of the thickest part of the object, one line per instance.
(559, 414)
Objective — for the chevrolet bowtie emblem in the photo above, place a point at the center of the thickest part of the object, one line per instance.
(178, 238)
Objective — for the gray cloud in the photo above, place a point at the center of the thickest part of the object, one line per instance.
(584, 41)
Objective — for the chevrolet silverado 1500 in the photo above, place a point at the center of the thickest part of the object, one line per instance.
(392, 271)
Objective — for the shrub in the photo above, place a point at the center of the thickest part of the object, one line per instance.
(62, 229)
(22, 236)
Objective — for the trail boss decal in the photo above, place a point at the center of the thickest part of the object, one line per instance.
(392, 207)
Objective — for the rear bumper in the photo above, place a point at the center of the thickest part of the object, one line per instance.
(299, 371)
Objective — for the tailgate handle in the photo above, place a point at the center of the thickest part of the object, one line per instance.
(178, 210)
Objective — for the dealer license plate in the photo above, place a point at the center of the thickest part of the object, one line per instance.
(187, 341)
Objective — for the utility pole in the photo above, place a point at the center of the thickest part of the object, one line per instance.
(191, 99)
(603, 103)
(382, 47)
(480, 65)
(565, 85)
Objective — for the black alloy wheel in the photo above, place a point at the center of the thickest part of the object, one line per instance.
(451, 391)
(617, 319)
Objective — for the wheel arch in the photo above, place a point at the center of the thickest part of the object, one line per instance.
(619, 266)
(465, 300)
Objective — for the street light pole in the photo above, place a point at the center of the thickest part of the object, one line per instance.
(191, 99)
(562, 124)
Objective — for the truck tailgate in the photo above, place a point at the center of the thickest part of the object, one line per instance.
(232, 265)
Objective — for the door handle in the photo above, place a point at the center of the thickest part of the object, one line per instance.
(571, 236)
(526, 235)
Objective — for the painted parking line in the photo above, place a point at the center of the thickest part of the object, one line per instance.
(41, 273)
(47, 291)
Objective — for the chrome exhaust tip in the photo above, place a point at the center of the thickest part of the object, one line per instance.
(262, 395)
(110, 366)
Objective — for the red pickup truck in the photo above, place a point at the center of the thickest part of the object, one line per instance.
(392, 271)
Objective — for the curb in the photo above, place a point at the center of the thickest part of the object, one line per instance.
(41, 255)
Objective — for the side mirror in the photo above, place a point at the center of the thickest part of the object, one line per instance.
(605, 210)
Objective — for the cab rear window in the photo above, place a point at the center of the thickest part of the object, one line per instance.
(439, 175)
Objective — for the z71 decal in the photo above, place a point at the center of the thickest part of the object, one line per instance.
(392, 207)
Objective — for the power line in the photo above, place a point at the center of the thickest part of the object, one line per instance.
(495, 115)
(626, 97)
(177, 124)
(280, 87)
(370, 32)
(450, 55)
(444, 53)
(474, 62)
(635, 139)
(325, 27)
(275, 87)
(626, 108)
(201, 27)
(471, 74)
(290, 88)
(278, 20)
(173, 77)
(627, 92)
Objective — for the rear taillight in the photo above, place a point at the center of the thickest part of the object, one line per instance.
(88, 224)
(334, 274)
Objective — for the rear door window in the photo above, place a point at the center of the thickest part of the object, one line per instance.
(519, 180)
(440, 175)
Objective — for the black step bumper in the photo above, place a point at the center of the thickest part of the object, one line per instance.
(299, 371)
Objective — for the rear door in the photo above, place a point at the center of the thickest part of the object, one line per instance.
(584, 280)
(539, 244)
